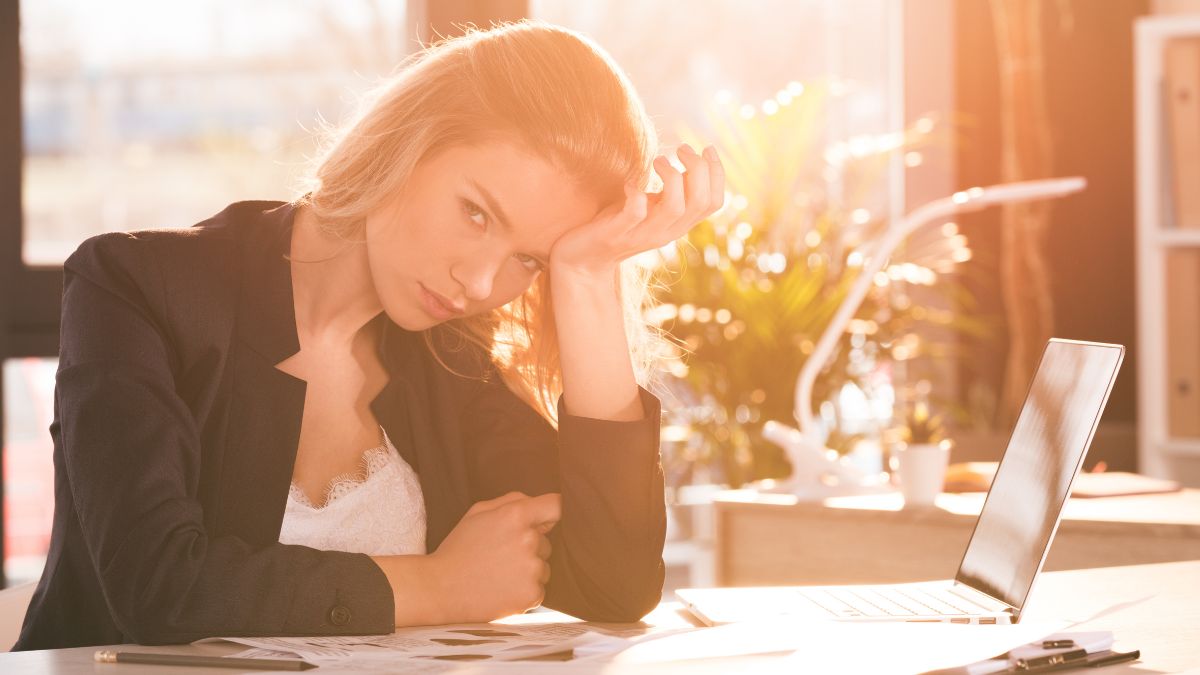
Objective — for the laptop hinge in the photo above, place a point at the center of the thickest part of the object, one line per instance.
(988, 600)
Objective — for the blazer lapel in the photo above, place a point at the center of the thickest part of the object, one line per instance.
(267, 404)
(426, 419)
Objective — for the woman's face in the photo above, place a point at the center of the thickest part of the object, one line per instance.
(470, 232)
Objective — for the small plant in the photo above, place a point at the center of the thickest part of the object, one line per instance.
(921, 428)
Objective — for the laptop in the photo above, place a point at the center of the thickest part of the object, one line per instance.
(1012, 534)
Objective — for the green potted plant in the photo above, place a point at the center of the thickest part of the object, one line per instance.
(754, 286)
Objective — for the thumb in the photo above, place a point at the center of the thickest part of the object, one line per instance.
(543, 511)
(489, 504)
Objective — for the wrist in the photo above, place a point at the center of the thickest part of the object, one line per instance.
(563, 274)
(418, 589)
(438, 579)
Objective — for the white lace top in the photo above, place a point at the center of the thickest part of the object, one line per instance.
(380, 511)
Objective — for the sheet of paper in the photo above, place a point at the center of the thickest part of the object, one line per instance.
(456, 643)
(844, 647)
(1092, 641)
(351, 664)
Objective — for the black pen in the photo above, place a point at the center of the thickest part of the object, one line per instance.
(1109, 658)
(1051, 659)
(109, 656)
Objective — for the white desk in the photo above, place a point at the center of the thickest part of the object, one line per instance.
(1155, 608)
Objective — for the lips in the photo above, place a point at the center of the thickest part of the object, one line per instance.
(438, 306)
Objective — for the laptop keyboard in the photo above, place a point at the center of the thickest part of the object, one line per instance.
(891, 602)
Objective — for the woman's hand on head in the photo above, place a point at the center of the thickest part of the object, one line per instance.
(645, 221)
(495, 561)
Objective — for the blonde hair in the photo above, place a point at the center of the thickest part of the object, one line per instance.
(550, 88)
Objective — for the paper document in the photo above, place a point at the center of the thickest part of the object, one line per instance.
(1092, 641)
(454, 643)
(843, 646)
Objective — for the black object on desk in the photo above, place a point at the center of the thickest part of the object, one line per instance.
(109, 656)
(1069, 660)
(1057, 659)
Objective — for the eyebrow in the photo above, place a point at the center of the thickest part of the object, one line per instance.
(494, 206)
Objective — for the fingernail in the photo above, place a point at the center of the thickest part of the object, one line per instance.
(710, 152)
(685, 147)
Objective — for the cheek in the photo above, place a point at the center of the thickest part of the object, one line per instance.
(509, 286)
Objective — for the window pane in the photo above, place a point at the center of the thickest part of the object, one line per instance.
(679, 60)
(141, 114)
(28, 465)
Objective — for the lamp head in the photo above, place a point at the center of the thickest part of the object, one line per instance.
(976, 198)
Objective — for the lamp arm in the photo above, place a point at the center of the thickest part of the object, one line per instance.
(968, 200)
(873, 262)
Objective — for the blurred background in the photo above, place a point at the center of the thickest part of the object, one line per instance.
(834, 118)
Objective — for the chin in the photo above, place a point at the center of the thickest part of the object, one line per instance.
(411, 319)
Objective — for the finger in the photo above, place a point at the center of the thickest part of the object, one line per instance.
(635, 209)
(699, 209)
(622, 216)
(544, 548)
(541, 510)
(716, 180)
(669, 205)
(696, 184)
(490, 504)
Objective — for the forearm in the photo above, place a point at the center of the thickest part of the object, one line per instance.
(598, 379)
(419, 598)
(607, 562)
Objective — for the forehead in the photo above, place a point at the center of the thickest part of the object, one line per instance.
(536, 197)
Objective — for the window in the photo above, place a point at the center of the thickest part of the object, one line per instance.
(141, 114)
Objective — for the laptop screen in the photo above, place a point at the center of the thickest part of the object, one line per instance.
(1032, 483)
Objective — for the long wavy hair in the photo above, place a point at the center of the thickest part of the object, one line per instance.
(550, 88)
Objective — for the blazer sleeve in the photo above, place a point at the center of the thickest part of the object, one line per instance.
(131, 453)
(606, 559)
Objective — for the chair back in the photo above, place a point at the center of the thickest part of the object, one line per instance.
(14, 602)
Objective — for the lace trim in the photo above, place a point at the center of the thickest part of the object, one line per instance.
(373, 460)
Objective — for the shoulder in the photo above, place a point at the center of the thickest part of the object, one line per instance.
(181, 257)
(220, 232)
(186, 281)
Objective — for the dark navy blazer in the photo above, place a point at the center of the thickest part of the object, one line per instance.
(175, 438)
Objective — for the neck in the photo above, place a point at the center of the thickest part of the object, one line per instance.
(334, 295)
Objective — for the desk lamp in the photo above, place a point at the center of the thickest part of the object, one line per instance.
(809, 457)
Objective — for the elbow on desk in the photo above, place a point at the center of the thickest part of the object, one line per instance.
(146, 627)
(157, 616)
(624, 598)
(639, 599)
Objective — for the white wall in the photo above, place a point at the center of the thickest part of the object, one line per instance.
(1175, 6)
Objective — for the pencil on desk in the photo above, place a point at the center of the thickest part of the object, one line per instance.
(109, 656)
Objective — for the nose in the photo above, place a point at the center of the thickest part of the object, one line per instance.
(477, 275)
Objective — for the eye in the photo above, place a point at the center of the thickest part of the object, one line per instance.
(529, 262)
(473, 211)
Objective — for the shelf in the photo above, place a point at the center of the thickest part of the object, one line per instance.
(1181, 446)
(1168, 257)
(1179, 237)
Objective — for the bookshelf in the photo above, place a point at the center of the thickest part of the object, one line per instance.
(1167, 126)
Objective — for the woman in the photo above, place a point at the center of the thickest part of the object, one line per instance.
(452, 292)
